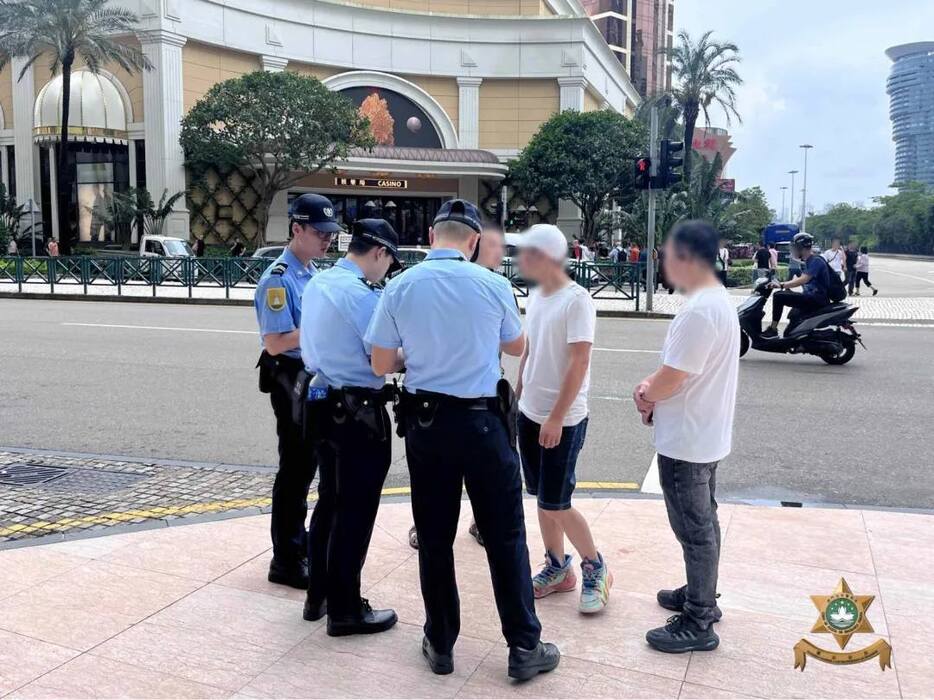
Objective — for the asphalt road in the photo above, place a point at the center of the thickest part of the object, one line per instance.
(177, 382)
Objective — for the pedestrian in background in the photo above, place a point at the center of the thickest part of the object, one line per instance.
(237, 249)
(835, 257)
(852, 256)
(763, 263)
(554, 379)
(723, 261)
(773, 259)
(691, 400)
(11, 248)
(199, 246)
(52, 248)
(862, 271)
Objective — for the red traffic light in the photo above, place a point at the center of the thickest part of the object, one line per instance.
(643, 165)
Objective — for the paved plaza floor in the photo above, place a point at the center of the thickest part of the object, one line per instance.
(186, 612)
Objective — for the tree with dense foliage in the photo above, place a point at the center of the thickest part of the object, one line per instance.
(585, 157)
(62, 31)
(749, 214)
(705, 75)
(279, 127)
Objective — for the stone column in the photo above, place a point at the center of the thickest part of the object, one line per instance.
(5, 168)
(571, 91)
(273, 64)
(163, 108)
(468, 111)
(24, 97)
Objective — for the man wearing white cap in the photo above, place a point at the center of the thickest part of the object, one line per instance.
(554, 378)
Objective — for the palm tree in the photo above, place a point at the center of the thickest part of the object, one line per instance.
(63, 30)
(706, 75)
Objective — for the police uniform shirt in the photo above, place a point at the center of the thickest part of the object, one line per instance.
(278, 298)
(336, 310)
(449, 317)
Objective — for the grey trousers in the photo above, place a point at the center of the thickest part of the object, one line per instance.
(689, 489)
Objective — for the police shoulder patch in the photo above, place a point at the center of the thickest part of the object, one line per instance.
(279, 268)
(275, 298)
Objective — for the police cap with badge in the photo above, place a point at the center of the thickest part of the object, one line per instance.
(379, 232)
(315, 211)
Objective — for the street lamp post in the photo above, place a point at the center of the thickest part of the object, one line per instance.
(791, 217)
(783, 202)
(804, 191)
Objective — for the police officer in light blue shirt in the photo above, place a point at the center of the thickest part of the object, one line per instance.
(451, 319)
(278, 315)
(354, 429)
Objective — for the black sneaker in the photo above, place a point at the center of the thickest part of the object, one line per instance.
(672, 600)
(366, 621)
(294, 574)
(441, 664)
(682, 634)
(528, 663)
(315, 608)
(475, 532)
(770, 333)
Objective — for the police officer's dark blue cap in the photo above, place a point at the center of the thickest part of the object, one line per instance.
(316, 211)
(462, 211)
(379, 232)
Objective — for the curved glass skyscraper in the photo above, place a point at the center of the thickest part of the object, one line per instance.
(911, 108)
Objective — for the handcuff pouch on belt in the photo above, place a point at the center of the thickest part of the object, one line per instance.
(363, 406)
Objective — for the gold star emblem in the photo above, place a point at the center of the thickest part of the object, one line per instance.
(842, 613)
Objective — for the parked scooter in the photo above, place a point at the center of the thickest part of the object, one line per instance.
(828, 333)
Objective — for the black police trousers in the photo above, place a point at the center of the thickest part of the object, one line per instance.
(469, 446)
(297, 465)
(353, 465)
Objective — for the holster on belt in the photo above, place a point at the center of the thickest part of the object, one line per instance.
(508, 408)
(365, 406)
(288, 373)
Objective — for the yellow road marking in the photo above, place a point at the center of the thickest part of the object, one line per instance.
(157, 512)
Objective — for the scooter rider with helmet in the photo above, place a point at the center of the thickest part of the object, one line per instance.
(814, 279)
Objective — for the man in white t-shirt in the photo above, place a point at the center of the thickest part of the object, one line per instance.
(554, 378)
(835, 257)
(691, 400)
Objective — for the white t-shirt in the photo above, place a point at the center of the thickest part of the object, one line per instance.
(835, 259)
(552, 322)
(696, 424)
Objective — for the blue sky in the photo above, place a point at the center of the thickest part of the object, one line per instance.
(815, 73)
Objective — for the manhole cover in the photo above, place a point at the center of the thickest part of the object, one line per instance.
(29, 474)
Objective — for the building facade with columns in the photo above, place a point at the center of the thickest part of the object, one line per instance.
(453, 89)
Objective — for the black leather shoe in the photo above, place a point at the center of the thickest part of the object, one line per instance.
(366, 621)
(528, 663)
(315, 608)
(441, 664)
(672, 600)
(682, 634)
(294, 574)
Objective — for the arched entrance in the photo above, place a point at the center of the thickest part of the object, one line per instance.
(98, 155)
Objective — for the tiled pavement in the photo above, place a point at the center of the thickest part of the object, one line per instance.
(186, 612)
(87, 493)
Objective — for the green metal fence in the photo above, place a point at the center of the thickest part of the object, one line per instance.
(601, 279)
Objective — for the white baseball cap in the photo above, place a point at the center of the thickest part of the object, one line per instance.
(547, 239)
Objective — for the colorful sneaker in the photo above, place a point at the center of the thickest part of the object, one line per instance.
(595, 590)
(554, 578)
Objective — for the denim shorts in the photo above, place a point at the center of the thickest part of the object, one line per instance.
(549, 474)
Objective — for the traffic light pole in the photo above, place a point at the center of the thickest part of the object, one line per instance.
(650, 232)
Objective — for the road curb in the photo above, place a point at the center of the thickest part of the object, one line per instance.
(143, 300)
